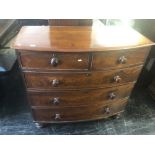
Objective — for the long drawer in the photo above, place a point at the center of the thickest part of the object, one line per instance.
(79, 97)
(119, 59)
(78, 113)
(54, 61)
(81, 80)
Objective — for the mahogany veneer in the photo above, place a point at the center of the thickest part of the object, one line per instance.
(79, 73)
(99, 79)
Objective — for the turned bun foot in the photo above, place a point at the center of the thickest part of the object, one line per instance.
(117, 116)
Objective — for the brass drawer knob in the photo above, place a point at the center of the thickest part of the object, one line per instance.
(117, 78)
(107, 110)
(56, 100)
(122, 60)
(55, 82)
(112, 96)
(57, 117)
(54, 61)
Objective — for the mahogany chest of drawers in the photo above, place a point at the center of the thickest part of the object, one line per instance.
(79, 73)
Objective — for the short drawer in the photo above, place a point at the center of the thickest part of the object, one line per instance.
(119, 59)
(81, 80)
(78, 113)
(79, 97)
(54, 61)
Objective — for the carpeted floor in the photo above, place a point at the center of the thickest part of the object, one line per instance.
(15, 117)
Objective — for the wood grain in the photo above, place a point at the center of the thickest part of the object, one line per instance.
(78, 113)
(66, 61)
(109, 60)
(80, 61)
(69, 80)
(79, 97)
(78, 38)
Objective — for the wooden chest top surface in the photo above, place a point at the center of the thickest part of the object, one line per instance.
(78, 38)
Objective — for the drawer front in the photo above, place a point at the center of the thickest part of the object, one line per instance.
(52, 61)
(83, 80)
(79, 98)
(119, 59)
(78, 113)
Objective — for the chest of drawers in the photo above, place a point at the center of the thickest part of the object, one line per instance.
(79, 73)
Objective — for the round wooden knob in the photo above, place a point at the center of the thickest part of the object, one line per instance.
(117, 78)
(57, 117)
(112, 96)
(54, 61)
(56, 100)
(122, 60)
(107, 110)
(55, 82)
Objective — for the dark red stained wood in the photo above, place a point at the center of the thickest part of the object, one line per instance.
(78, 38)
(119, 59)
(78, 113)
(81, 80)
(70, 61)
(80, 97)
(80, 61)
